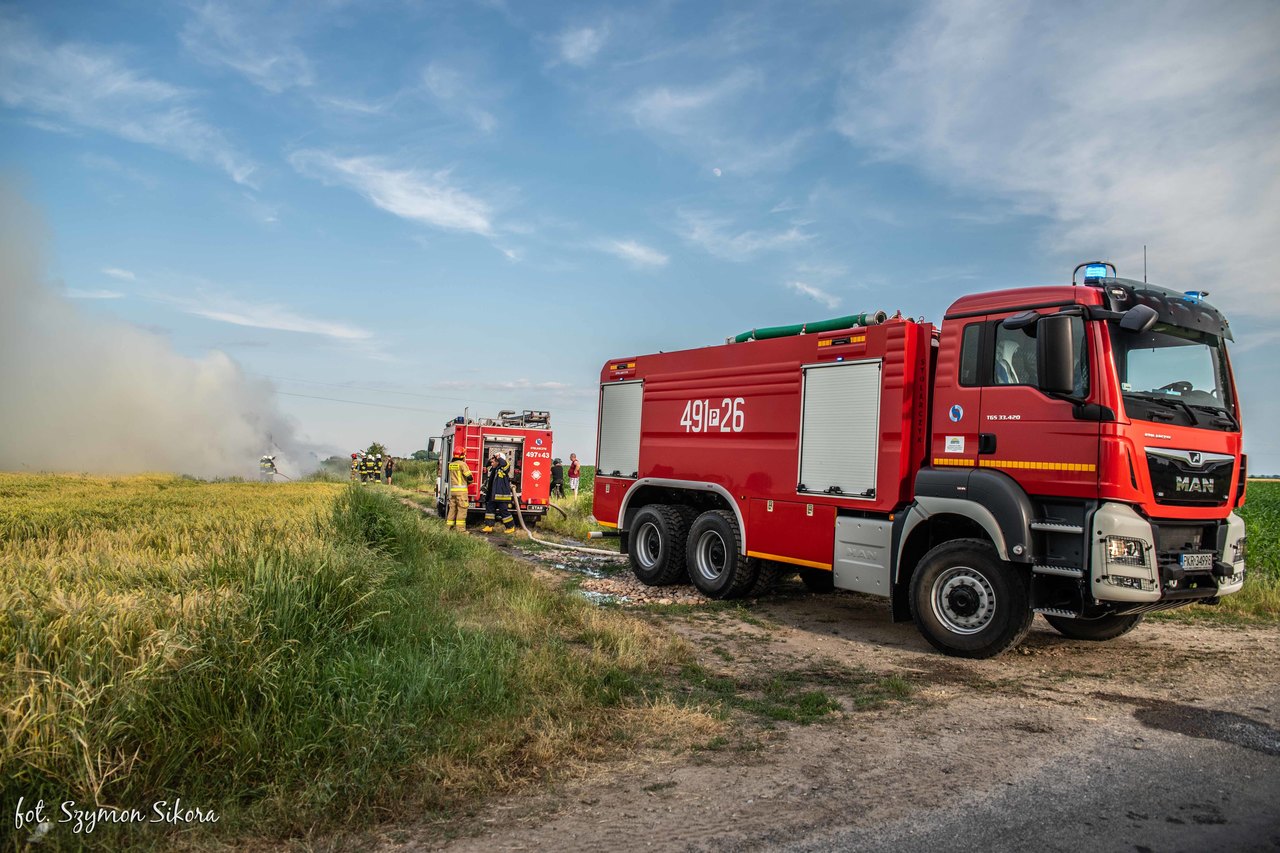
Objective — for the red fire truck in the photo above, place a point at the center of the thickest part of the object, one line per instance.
(1073, 451)
(524, 439)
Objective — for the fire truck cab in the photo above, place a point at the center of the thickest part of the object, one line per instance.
(524, 439)
(1073, 451)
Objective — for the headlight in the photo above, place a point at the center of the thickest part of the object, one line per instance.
(1239, 549)
(1126, 551)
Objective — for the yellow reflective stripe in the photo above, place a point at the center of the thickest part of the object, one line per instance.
(607, 524)
(793, 560)
(1037, 466)
(945, 461)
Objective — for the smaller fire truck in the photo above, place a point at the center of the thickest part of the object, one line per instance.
(1073, 451)
(524, 439)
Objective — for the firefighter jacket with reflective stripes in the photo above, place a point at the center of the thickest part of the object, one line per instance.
(500, 481)
(459, 476)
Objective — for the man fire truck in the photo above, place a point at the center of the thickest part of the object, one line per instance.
(524, 439)
(1069, 451)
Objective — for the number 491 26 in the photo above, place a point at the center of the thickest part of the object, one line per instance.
(702, 416)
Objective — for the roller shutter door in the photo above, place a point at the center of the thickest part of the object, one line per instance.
(620, 428)
(840, 433)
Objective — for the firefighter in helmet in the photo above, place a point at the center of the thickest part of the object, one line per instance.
(355, 465)
(267, 468)
(498, 490)
(460, 477)
(377, 468)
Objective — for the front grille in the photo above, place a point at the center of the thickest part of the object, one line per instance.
(1177, 482)
(1180, 537)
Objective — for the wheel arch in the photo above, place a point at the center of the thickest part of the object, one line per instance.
(704, 496)
(923, 529)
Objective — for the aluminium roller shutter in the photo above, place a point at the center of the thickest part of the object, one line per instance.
(620, 428)
(840, 431)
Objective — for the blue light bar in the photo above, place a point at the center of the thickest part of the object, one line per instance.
(1095, 271)
(1194, 296)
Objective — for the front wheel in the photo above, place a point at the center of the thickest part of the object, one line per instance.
(969, 603)
(1097, 630)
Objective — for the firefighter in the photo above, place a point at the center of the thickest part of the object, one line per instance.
(557, 478)
(460, 477)
(267, 468)
(377, 468)
(355, 465)
(498, 490)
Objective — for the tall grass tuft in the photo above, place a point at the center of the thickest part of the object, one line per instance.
(293, 656)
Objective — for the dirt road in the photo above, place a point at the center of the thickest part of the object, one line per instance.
(1166, 739)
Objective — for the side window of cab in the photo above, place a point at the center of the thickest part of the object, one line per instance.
(1012, 356)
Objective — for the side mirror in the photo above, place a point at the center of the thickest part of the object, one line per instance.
(1139, 318)
(431, 445)
(1055, 355)
(1025, 320)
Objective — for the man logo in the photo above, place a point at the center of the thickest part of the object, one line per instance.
(1193, 456)
(1198, 485)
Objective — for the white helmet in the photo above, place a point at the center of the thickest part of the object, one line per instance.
(378, 456)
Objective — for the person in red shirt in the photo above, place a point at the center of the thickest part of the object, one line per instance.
(575, 473)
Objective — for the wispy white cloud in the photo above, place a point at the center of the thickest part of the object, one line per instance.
(256, 46)
(116, 272)
(717, 236)
(1171, 142)
(457, 92)
(817, 294)
(89, 87)
(428, 198)
(263, 315)
(76, 293)
(579, 46)
(720, 124)
(635, 253)
(103, 163)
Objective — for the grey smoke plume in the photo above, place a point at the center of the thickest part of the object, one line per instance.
(79, 393)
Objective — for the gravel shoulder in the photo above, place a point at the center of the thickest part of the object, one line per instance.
(1165, 739)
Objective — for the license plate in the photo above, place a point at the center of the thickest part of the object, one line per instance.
(1196, 561)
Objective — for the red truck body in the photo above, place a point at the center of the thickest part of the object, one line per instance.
(524, 439)
(1037, 425)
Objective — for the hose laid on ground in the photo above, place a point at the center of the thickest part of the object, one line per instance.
(582, 548)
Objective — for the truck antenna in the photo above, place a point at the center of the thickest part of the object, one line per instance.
(1144, 263)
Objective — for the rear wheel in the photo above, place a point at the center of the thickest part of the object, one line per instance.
(969, 603)
(656, 544)
(767, 575)
(714, 556)
(1103, 628)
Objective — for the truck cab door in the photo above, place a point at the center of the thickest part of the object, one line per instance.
(1032, 436)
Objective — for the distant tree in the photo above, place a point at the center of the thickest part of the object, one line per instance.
(377, 447)
(421, 455)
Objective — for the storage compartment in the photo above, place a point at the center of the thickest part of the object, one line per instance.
(620, 429)
(840, 430)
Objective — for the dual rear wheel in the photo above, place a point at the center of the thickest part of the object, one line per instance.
(670, 544)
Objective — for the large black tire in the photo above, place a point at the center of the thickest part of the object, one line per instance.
(655, 544)
(969, 603)
(818, 580)
(714, 557)
(1097, 630)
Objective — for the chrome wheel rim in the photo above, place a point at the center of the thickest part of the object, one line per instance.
(648, 545)
(711, 557)
(963, 600)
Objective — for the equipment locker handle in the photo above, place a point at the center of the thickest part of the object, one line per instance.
(986, 442)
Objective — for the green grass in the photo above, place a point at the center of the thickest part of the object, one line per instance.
(297, 658)
(578, 523)
(804, 695)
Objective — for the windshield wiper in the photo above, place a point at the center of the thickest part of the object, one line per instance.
(1223, 414)
(1153, 397)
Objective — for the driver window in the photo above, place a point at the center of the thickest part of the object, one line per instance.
(1015, 356)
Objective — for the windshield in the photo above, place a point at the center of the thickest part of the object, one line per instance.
(1175, 375)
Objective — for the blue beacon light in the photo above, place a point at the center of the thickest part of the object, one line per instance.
(1095, 272)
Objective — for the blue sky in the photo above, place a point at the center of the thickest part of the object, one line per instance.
(422, 206)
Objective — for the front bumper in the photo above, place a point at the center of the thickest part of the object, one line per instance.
(1161, 576)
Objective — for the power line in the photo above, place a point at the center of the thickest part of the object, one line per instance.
(467, 400)
(389, 406)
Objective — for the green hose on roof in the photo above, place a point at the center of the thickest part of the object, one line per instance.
(873, 318)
